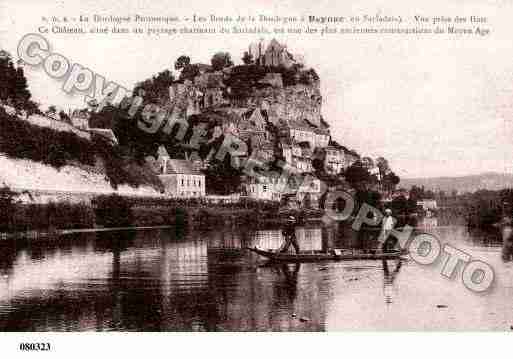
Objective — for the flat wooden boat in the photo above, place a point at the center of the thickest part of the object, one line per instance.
(333, 255)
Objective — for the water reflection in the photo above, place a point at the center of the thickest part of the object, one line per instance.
(178, 280)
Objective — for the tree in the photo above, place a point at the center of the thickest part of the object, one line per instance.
(222, 178)
(383, 166)
(21, 91)
(155, 89)
(247, 58)
(7, 208)
(221, 60)
(13, 83)
(189, 72)
(182, 62)
(357, 175)
(390, 181)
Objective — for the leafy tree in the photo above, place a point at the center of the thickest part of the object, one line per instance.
(13, 84)
(390, 181)
(51, 110)
(156, 89)
(222, 178)
(247, 59)
(189, 72)
(7, 208)
(182, 62)
(22, 93)
(221, 60)
(383, 166)
(357, 175)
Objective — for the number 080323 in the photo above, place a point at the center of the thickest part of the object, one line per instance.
(35, 346)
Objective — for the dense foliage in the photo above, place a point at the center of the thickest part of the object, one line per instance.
(20, 139)
(113, 211)
(13, 85)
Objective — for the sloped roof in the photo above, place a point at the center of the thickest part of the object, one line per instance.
(181, 167)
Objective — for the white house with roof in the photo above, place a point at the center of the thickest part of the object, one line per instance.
(266, 188)
(303, 130)
(181, 178)
(335, 159)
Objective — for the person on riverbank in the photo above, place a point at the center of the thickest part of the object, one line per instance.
(387, 225)
(289, 234)
(506, 227)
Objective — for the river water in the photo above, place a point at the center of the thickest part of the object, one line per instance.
(189, 280)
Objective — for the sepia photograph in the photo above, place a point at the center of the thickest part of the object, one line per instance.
(185, 166)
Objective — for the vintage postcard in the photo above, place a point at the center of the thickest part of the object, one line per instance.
(254, 166)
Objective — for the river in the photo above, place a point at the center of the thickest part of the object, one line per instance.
(190, 280)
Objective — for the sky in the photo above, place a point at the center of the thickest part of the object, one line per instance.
(432, 105)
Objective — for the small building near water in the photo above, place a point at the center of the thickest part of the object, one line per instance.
(181, 178)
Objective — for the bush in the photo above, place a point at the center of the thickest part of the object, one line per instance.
(113, 211)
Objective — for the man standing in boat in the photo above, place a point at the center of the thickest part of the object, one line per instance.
(506, 228)
(289, 234)
(387, 225)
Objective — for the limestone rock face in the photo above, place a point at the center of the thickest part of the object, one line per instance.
(290, 103)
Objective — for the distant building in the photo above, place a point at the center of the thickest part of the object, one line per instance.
(265, 188)
(335, 159)
(427, 204)
(181, 178)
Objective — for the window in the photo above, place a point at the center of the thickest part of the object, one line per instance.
(182, 182)
(265, 188)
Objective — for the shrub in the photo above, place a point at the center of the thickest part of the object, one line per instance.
(113, 211)
(7, 208)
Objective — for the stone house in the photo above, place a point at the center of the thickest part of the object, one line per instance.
(304, 130)
(181, 178)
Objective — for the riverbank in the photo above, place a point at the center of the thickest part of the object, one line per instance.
(111, 212)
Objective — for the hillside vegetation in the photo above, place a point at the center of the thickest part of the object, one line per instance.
(19, 139)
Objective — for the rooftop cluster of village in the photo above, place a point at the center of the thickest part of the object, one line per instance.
(272, 103)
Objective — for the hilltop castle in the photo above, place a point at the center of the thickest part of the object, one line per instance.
(273, 54)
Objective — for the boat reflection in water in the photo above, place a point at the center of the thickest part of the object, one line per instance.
(188, 280)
